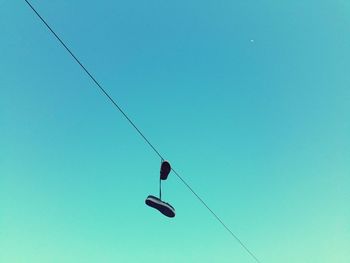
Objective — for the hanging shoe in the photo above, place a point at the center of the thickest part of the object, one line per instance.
(161, 206)
(165, 169)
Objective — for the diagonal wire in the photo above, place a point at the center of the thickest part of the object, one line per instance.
(138, 130)
(93, 79)
(217, 217)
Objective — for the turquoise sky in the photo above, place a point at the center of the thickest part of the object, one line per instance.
(249, 100)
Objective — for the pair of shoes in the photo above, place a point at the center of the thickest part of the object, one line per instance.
(165, 208)
(157, 203)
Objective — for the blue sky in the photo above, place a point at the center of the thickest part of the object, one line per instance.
(259, 128)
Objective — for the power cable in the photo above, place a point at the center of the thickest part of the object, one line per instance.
(138, 130)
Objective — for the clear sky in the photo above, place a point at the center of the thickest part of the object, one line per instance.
(249, 100)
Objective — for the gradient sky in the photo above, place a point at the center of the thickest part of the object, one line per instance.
(249, 100)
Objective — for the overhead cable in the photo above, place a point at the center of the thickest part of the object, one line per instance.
(137, 129)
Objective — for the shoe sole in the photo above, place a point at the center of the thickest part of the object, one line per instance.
(161, 206)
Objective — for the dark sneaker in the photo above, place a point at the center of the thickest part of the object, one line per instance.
(165, 169)
(161, 206)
